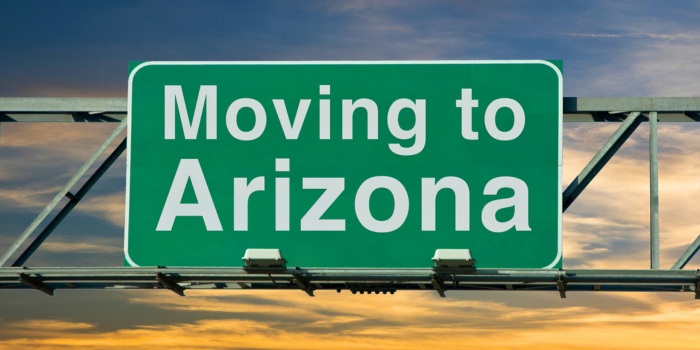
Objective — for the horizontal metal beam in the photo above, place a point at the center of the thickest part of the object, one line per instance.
(576, 109)
(607, 117)
(355, 280)
(612, 104)
(115, 117)
(62, 104)
(78, 117)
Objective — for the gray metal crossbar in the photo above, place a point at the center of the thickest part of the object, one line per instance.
(443, 281)
(576, 109)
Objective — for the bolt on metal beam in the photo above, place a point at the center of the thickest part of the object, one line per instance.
(601, 158)
(54, 202)
(654, 191)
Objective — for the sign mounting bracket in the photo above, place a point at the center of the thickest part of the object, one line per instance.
(300, 281)
(170, 283)
(438, 284)
(35, 283)
(561, 284)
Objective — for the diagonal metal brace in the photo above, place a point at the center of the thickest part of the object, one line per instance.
(170, 283)
(62, 193)
(438, 284)
(601, 158)
(561, 284)
(36, 284)
(687, 255)
(303, 283)
(74, 199)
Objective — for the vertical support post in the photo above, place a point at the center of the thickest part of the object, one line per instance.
(654, 190)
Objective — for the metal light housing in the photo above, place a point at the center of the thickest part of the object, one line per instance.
(264, 258)
(453, 258)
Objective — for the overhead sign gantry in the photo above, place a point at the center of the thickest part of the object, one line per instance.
(443, 277)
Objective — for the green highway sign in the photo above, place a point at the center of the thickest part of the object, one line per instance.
(344, 164)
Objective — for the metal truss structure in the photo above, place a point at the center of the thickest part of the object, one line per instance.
(630, 112)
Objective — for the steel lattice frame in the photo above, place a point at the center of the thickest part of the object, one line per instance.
(630, 112)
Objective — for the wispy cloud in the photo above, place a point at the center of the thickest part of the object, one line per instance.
(51, 325)
(680, 36)
(109, 207)
(82, 247)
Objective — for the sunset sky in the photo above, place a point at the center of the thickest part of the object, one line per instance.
(609, 49)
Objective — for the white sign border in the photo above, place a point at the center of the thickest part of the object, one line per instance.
(168, 63)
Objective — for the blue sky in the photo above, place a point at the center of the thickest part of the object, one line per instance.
(56, 48)
(609, 48)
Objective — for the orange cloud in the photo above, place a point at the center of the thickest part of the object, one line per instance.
(51, 325)
(409, 320)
